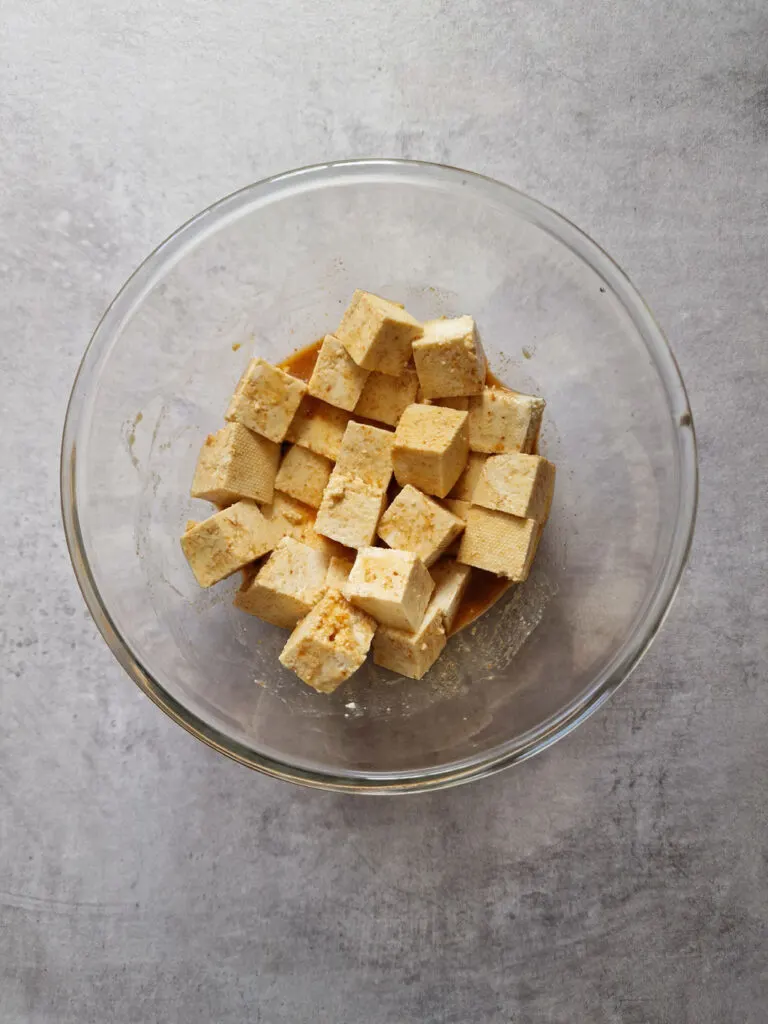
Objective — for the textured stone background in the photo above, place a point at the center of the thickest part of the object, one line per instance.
(622, 876)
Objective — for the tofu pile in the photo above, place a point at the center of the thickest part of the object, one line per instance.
(357, 505)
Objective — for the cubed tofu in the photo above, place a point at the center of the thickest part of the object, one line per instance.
(235, 463)
(449, 358)
(366, 455)
(454, 403)
(392, 586)
(464, 487)
(227, 541)
(338, 572)
(451, 581)
(504, 421)
(431, 448)
(304, 475)
(502, 544)
(292, 518)
(414, 522)
(287, 586)
(385, 398)
(266, 399)
(521, 485)
(350, 510)
(378, 334)
(458, 507)
(329, 644)
(319, 427)
(336, 378)
(191, 524)
(411, 654)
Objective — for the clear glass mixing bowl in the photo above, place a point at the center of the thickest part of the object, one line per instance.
(268, 270)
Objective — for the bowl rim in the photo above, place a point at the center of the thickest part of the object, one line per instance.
(635, 646)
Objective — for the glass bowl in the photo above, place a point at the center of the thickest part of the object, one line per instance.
(269, 269)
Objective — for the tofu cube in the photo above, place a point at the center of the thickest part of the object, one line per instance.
(504, 421)
(521, 485)
(236, 463)
(464, 487)
(337, 378)
(190, 524)
(458, 507)
(366, 454)
(350, 510)
(431, 448)
(266, 399)
(292, 518)
(451, 581)
(392, 586)
(502, 544)
(287, 586)
(385, 398)
(227, 541)
(414, 522)
(449, 358)
(461, 403)
(338, 572)
(303, 475)
(319, 427)
(378, 334)
(411, 654)
(329, 644)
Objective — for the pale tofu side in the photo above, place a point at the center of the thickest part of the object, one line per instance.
(431, 448)
(266, 399)
(504, 421)
(303, 475)
(414, 522)
(336, 378)
(502, 544)
(338, 572)
(236, 463)
(451, 581)
(449, 358)
(350, 510)
(464, 487)
(227, 541)
(385, 398)
(319, 427)
(521, 485)
(378, 334)
(457, 507)
(366, 455)
(329, 644)
(287, 586)
(292, 518)
(392, 586)
(411, 654)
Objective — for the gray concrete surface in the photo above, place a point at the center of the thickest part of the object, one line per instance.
(622, 876)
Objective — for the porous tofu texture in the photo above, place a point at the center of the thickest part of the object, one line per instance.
(431, 448)
(329, 644)
(227, 541)
(449, 358)
(414, 522)
(504, 421)
(464, 487)
(336, 378)
(338, 572)
(319, 427)
(521, 485)
(266, 399)
(385, 398)
(292, 518)
(287, 586)
(350, 510)
(378, 334)
(392, 586)
(366, 454)
(411, 654)
(502, 544)
(236, 463)
(303, 475)
(451, 580)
